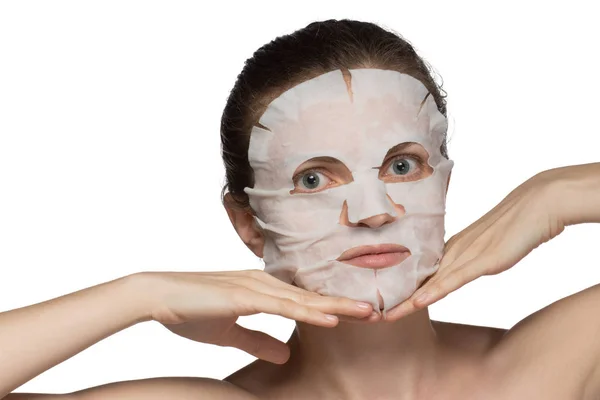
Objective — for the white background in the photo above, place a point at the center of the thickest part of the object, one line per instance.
(110, 164)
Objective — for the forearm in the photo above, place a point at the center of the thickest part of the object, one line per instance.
(575, 194)
(38, 337)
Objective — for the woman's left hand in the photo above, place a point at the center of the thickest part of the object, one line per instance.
(525, 219)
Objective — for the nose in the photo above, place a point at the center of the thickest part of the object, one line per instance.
(374, 221)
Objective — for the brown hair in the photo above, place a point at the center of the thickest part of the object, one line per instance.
(291, 59)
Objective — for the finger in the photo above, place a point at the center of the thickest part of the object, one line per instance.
(325, 304)
(331, 304)
(255, 275)
(420, 298)
(436, 287)
(409, 306)
(458, 278)
(400, 311)
(337, 305)
(252, 302)
(262, 276)
(328, 304)
(373, 317)
(312, 298)
(456, 255)
(248, 277)
(256, 343)
(452, 281)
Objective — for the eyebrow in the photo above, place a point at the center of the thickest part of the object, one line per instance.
(399, 147)
(321, 159)
(326, 159)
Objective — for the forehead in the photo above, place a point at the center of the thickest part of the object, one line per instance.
(326, 117)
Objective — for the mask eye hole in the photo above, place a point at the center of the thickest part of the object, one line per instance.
(311, 181)
(403, 165)
(320, 173)
(406, 164)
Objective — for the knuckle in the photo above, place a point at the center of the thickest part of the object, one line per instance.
(447, 260)
(490, 266)
(288, 304)
(349, 303)
(290, 307)
(268, 278)
(455, 277)
(303, 298)
(339, 305)
(451, 241)
(435, 287)
(239, 296)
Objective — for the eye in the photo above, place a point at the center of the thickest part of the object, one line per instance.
(403, 166)
(311, 181)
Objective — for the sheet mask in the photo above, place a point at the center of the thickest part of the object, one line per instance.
(356, 124)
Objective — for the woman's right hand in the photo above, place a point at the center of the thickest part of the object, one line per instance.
(204, 306)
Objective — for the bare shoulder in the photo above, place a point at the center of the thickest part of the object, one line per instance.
(176, 388)
(259, 378)
(557, 347)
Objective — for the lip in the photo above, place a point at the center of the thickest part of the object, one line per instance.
(376, 256)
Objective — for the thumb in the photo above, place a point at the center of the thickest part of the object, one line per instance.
(256, 343)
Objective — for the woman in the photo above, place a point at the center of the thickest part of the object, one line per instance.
(341, 348)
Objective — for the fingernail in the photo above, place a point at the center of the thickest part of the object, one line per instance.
(423, 298)
(330, 317)
(278, 356)
(364, 306)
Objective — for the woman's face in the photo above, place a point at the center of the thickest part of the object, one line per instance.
(350, 185)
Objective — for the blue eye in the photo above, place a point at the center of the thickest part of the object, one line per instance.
(311, 180)
(402, 165)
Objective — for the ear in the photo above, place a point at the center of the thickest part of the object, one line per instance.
(245, 225)
(448, 183)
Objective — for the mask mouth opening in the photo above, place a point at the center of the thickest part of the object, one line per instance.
(375, 256)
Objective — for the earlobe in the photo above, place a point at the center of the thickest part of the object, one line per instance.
(245, 225)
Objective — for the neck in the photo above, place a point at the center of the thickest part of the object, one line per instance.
(356, 358)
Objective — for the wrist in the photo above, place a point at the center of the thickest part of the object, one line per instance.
(140, 288)
(574, 193)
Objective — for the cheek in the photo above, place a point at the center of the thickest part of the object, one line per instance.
(303, 213)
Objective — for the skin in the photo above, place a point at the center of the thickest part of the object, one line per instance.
(409, 356)
(552, 354)
(339, 349)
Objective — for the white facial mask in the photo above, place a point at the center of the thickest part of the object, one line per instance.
(303, 233)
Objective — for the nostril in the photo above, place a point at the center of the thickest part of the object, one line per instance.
(368, 225)
(376, 221)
